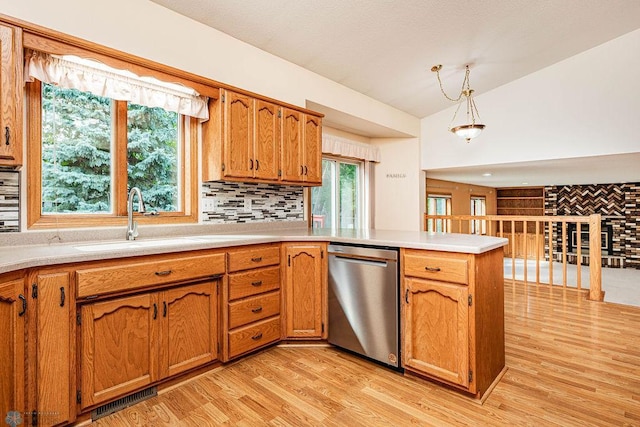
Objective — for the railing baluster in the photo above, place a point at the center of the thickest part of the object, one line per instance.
(578, 254)
(564, 254)
(525, 236)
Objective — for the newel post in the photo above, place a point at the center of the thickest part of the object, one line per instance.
(595, 259)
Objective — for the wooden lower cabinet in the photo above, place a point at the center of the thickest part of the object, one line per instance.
(251, 300)
(305, 290)
(434, 346)
(13, 308)
(55, 347)
(453, 323)
(131, 342)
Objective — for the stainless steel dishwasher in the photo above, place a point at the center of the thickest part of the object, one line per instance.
(363, 301)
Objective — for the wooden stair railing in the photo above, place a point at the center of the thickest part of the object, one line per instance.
(536, 245)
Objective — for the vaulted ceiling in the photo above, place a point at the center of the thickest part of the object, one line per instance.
(386, 48)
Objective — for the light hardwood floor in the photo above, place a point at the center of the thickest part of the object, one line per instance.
(571, 362)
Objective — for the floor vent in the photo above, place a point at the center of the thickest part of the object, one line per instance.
(123, 402)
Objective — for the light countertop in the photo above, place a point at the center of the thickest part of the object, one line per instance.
(16, 257)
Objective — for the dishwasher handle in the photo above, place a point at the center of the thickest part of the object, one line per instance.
(362, 261)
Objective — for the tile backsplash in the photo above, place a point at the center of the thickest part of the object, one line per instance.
(9, 201)
(226, 202)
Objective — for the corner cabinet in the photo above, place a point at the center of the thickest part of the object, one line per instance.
(305, 288)
(11, 88)
(301, 153)
(13, 309)
(453, 317)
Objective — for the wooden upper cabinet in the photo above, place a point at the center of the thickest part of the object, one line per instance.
(238, 135)
(266, 149)
(12, 368)
(11, 87)
(301, 148)
(252, 140)
(291, 163)
(313, 149)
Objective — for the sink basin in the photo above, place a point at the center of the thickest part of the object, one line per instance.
(132, 244)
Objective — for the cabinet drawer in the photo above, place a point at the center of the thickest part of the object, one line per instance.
(253, 309)
(436, 267)
(253, 282)
(253, 257)
(254, 336)
(129, 275)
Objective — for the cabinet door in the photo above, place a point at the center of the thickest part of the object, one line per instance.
(12, 368)
(267, 141)
(291, 153)
(119, 347)
(304, 283)
(312, 149)
(54, 355)
(11, 84)
(189, 333)
(436, 330)
(238, 135)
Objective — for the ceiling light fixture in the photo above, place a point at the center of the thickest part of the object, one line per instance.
(470, 129)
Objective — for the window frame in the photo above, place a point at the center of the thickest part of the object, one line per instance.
(189, 130)
(360, 217)
(478, 226)
(446, 224)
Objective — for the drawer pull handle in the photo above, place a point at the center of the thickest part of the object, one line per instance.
(164, 309)
(163, 273)
(257, 283)
(257, 336)
(256, 259)
(7, 135)
(433, 269)
(256, 310)
(155, 311)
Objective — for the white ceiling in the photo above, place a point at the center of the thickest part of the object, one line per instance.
(385, 48)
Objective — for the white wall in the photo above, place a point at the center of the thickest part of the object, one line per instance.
(399, 185)
(586, 105)
(148, 30)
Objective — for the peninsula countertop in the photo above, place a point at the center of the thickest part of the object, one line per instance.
(18, 257)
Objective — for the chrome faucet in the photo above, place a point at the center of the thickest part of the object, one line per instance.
(132, 226)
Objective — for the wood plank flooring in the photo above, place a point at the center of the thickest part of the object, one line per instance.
(571, 362)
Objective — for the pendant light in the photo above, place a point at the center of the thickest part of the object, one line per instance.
(470, 128)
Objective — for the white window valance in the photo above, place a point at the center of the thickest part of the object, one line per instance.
(102, 80)
(347, 148)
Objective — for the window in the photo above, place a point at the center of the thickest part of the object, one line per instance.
(478, 208)
(87, 151)
(338, 203)
(438, 204)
